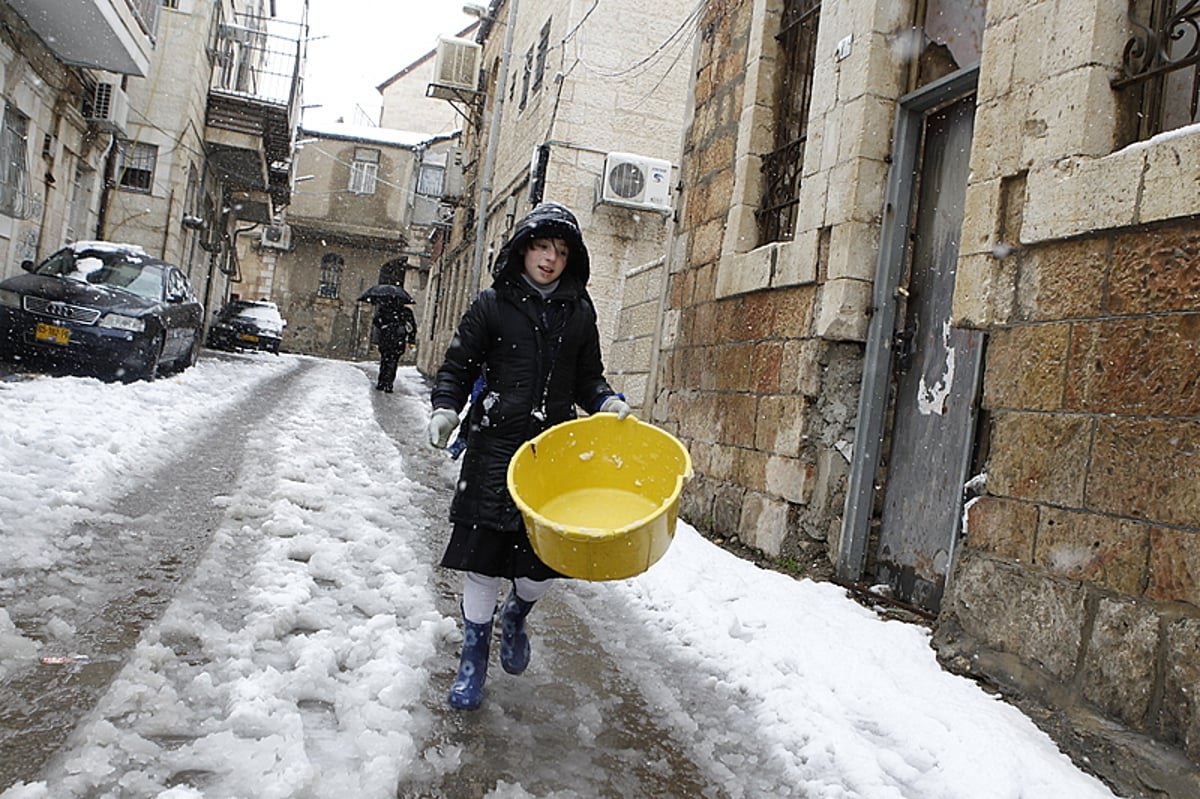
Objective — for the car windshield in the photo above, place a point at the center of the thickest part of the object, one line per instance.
(108, 269)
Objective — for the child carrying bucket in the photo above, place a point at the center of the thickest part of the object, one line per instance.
(532, 336)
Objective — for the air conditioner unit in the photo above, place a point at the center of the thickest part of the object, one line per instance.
(636, 181)
(276, 237)
(455, 68)
(108, 107)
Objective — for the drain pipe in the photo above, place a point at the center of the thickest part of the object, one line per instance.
(106, 188)
(485, 184)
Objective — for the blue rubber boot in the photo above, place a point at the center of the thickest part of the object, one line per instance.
(467, 691)
(514, 641)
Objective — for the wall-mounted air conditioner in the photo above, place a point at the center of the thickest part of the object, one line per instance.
(455, 68)
(276, 237)
(636, 181)
(107, 107)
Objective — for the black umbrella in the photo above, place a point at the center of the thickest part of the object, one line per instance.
(386, 292)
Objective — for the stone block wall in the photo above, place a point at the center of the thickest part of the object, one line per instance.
(1083, 557)
(761, 364)
(1078, 584)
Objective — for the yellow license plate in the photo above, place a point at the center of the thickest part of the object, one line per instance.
(52, 333)
(248, 337)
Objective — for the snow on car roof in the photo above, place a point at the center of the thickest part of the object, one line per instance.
(109, 246)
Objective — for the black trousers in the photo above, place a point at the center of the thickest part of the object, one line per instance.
(389, 359)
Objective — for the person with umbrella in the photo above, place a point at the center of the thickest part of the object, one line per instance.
(395, 328)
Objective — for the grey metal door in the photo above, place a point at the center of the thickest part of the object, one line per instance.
(936, 372)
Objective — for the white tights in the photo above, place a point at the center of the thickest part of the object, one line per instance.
(480, 592)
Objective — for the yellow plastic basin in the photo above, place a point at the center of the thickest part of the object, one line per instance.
(600, 496)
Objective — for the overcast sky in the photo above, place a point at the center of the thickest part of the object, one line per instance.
(355, 45)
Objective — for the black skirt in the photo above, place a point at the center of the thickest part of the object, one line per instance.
(496, 553)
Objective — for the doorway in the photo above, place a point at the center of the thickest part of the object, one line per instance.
(919, 400)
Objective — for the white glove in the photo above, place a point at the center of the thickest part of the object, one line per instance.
(441, 425)
(615, 404)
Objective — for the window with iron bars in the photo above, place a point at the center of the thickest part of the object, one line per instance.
(331, 275)
(14, 164)
(136, 162)
(1160, 68)
(783, 166)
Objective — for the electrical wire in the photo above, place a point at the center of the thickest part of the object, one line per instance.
(407, 192)
(678, 37)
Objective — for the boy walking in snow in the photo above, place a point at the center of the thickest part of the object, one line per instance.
(532, 336)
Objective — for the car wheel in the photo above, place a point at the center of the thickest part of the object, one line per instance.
(149, 369)
(190, 358)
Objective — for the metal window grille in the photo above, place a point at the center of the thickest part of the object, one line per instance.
(364, 172)
(1160, 69)
(783, 166)
(331, 276)
(14, 164)
(135, 166)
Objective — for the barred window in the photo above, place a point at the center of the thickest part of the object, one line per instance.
(783, 166)
(14, 165)
(1160, 70)
(331, 275)
(135, 165)
(364, 172)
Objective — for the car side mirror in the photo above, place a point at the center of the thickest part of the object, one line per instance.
(28, 265)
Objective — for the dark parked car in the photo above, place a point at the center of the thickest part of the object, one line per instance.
(247, 325)
(103, 309)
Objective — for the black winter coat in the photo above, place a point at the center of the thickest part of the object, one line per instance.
(540, 358)
(394, 326)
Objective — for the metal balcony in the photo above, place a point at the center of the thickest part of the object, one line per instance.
(253, 101)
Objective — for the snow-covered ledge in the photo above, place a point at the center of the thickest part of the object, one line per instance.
(1147, 181)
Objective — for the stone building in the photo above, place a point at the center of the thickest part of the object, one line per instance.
(364, 200)
(933, 307)
(54, 141)
(561, 99)
(167, 125)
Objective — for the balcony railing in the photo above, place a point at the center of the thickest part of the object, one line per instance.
(255, 91)
(256, 58)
